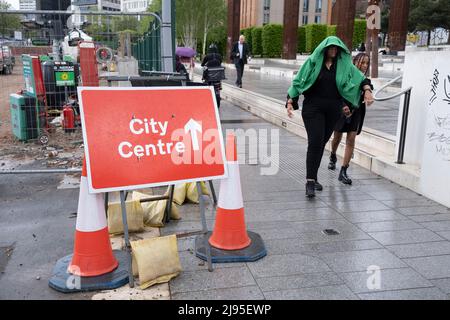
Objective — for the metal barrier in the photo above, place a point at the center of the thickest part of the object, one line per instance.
(404, 124)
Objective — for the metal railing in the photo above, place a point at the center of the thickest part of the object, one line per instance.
(404, 124)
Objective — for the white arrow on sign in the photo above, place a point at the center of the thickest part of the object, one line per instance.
(193, 126)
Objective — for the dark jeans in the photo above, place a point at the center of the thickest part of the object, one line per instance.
(240, 71)
(320, 117)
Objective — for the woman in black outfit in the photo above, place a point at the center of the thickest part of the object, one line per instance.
(326, 79)
(352, 125)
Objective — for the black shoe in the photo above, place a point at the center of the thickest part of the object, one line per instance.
(343, 177)
(318, 186)
(240, 86)
(333, 160)
(310, 189)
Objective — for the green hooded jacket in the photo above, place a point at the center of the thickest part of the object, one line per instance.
(348, 77)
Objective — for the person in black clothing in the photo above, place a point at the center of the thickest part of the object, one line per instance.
(351, 124)
(212, 60)
(179, 67)
(323, 103)
(240, 55)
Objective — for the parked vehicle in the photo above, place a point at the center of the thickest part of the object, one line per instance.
(7, 60)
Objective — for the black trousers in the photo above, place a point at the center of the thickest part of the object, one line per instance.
(240, 71)
(319, 117)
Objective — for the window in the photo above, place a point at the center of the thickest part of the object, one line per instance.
(317, 19)
(318, 5)
(266, 12)
(305, 19)
(305, 5)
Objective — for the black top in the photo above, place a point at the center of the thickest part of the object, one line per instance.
(325, 87)
(212, 60)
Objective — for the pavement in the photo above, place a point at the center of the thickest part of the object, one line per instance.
(381, 116)
(381, 226)
(400, 237)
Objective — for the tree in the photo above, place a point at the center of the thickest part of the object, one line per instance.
(8, 22)
(195, 19)
(427, 15)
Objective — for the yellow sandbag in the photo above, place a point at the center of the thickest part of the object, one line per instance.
(175, 212)
(157, 260)
(179, 193)
(153, 211)
(135, 217)
(191, 191)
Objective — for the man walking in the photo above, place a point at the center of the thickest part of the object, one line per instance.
(239, 55)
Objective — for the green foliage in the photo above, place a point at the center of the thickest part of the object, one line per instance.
(218, 36)
(257, 49)
(272, 40)
(301, 47)
(8, 22)
(331, 30)
(126, 23)
(315, 34)
(248, 36)
(427, 15)
(359, 32)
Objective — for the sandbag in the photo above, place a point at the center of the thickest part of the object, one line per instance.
(191, 191)
(153, 211)
(157, 260)
(179, 193)
(135, 217)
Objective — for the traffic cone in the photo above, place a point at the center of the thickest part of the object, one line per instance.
(230, 241)
(230, 232)
(93, 266)
(93, 254)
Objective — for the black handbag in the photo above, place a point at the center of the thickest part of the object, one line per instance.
(215, 74)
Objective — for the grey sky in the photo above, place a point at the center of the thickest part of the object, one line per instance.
(14, 3)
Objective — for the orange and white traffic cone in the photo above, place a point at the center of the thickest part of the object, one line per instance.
(230, 241)
(93, 257)
(230, 232)
(93, 254)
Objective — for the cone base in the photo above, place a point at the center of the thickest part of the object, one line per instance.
(65, 282)
(254, 252)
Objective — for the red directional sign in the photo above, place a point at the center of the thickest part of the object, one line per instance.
(146, 137)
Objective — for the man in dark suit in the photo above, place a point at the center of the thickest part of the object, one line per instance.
(240, 54)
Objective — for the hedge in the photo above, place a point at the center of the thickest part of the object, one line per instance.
(331, 30)
(272, 40)
(248, 36)
(257, 41)
(359, 32)
(315, 34)
(301, 48)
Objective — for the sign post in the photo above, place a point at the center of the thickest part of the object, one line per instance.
(147, 137)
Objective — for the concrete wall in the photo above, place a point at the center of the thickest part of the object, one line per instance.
(428, 134)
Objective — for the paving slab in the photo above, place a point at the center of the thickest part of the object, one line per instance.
(362, 260)
(405, 236)
(421, 249)
(389, 226)
(412, 294)
(287, 264)
(223, 278)
(389, 280)
(434, 267)
(299, 281)
(240, 294)
(339, 292)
